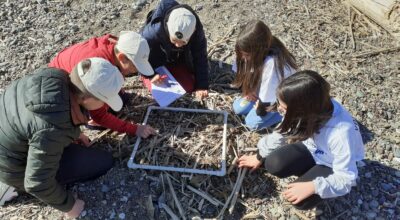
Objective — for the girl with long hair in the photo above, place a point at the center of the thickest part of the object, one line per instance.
(317, 140)
(262, 62)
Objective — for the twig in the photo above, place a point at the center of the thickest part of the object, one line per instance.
(228, 200)
(236, 191)
(102, 134)
(233, 165)
(301, 215)
(205, 196)
(351, 19)
(169, 211)
(178, 204)
(369, 53)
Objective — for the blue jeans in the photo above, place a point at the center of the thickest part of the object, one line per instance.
(242, 106)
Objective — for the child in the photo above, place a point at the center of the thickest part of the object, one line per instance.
(176, 39)
(318, 141)
(262, 61)
(129, 54)
(40, 117)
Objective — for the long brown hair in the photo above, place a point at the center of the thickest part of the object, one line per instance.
(256, 39)
(309, 105)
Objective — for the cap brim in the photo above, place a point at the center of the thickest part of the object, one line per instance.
(115, 103)
(143, 67)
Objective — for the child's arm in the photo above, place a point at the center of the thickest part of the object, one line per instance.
(344, 171)
(102, 117)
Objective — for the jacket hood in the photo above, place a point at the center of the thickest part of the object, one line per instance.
(47, 95)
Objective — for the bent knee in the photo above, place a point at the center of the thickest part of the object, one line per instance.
(274, 165)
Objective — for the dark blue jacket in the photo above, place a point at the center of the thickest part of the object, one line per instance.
(163, 52)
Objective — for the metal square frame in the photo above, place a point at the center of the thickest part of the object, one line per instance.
(221, 172)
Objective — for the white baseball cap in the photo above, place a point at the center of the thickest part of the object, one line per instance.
(181, 24)
(104, 81)
(136, 48)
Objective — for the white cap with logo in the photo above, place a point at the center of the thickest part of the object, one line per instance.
(181, 24)
(104, 81)
(136, 48)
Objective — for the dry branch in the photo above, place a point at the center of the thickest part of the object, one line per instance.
(177, 203)
(205, 196)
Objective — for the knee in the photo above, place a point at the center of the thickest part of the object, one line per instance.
(252, 124)
(241, 106)
(274, 165)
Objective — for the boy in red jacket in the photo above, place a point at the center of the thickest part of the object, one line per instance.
(129, 53)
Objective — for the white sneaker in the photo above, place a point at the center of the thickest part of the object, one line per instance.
(7, 193)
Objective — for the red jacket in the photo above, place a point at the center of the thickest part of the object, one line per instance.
(101, 47)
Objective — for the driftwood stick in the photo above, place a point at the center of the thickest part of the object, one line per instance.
(233, 165)
(221, 213)
(205, 196)
(236, 191)
(178, 204)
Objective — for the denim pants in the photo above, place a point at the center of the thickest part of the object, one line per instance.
(242, 106)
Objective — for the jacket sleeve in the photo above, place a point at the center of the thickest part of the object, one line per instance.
(108, 120)
(200, 62)
(344, 171)
(45, 150)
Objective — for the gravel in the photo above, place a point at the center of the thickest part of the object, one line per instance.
(32, 32)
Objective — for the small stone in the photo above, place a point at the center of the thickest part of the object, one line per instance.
(368, 175)
(121, 216)
(124, 199)
(105, 188)
(397, 173)
(375, 193)
(83, 214)
(81, 189)
(397, 152)
(365, 206)
(371, 215)
(374, 204)
(75, 28)
(359, 94)
(359, 201)
(386, 186)
(294, 217)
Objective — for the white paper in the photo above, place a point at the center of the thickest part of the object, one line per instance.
(169, 91)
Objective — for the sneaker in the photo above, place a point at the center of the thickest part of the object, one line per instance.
(7, 193)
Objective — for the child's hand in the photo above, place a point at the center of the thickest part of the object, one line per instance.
(251, 97)
(249, 161)
(158, 79)
(145, 131)
(200, 94)
(297, 192)
(84, 140)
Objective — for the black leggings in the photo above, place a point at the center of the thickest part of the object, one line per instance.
(295, 159)
(79, 163)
